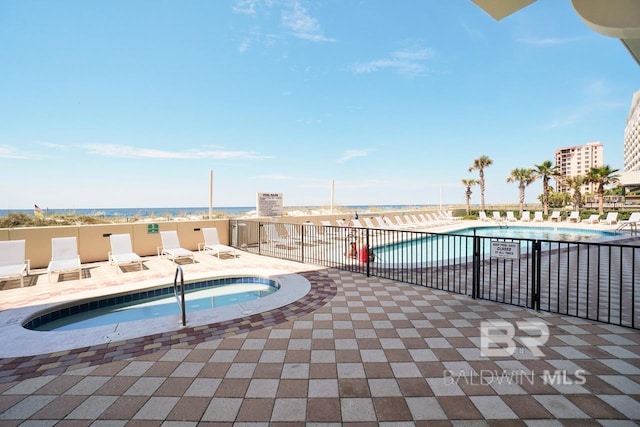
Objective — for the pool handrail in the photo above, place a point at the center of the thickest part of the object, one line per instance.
(180, 299)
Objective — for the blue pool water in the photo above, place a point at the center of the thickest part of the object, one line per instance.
(152, 304)
(540, 233)
(460, 245)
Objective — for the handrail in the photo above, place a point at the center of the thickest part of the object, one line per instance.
(632, 225)
(180, 299)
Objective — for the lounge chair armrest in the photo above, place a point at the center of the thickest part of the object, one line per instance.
(28, 261)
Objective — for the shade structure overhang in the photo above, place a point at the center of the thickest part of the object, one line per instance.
(612, 18)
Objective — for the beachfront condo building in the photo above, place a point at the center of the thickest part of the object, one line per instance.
(578, 161)
(630, 177)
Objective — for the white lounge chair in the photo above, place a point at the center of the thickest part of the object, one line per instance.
(401, 223)
(482, 216)
(612, 218)
(574, 216)
(293, 234)
(389, 223)
(555, 216)
(593, 219)
(212, 243)
(410, 222)
(526, 216)
(497, 216)
(171, 247)
(424, 220)
(413, 221)
(537, 216)
(64, 256)
(357, 223)
(381, 223)
(12, 260)
(327, 223)
(329, 230)
(121, 251)
(368, 222)
(632, 222)
(447, 216)
(315, 233)
(511, 217)
(342, 222)
(273, 236)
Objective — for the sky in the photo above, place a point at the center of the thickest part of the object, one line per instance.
(125, 104)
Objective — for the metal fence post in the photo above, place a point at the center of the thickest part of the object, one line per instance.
(367, 249)
(475, 267)
(536, 270)
(301, 241)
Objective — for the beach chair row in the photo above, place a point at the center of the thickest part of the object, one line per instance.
(407, 221)
(66, 259)
(610, 219)
(286, 234)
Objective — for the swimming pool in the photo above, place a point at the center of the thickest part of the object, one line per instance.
(292, 287)
(564, 234)
(459, 243)
(151, 304)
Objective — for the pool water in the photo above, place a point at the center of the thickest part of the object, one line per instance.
(150, 307)
(459, 243)
(539, 233)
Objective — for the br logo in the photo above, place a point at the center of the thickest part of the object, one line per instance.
(501, 338)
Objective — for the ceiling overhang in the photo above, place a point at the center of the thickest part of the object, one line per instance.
(612, 18)
(498, 9)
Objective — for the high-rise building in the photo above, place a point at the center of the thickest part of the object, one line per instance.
(630, 177)
(578, 161)
(631, 159)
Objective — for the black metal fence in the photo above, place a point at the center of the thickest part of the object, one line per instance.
(594, 281)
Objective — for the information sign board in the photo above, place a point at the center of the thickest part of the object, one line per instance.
(508, 250)
(269, 204)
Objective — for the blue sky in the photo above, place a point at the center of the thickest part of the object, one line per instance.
(131, 103)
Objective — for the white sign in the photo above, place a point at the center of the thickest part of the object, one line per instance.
(269, 204)
(508, 250)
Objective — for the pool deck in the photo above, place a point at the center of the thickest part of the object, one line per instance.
(354, 350)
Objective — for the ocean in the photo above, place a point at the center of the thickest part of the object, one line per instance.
(196, 211)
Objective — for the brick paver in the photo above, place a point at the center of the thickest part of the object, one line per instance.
(354, 350)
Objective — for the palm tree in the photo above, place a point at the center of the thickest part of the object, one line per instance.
(480, 164)
(602, 176)
(546, 170)
(524, 177)
(576, 183)
(468, 183)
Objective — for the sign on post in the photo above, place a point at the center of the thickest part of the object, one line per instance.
(507, 250)
(269, 204)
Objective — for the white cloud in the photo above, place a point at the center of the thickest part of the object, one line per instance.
(114, 150)
(551, 41)
(294, 18)
(245, 7)
(352, 154)
(406, 62)
(302, 25)
(9, 152)
(54, 146)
